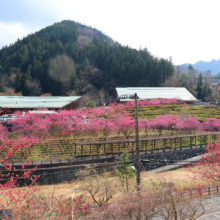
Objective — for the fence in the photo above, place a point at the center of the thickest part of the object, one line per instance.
(145, 144)
(68, 148)
(205, 191)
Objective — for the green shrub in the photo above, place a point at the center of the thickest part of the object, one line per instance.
(91, 104)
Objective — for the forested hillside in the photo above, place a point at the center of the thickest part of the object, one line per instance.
(70, 58)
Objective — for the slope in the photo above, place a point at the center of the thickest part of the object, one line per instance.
(69, 57)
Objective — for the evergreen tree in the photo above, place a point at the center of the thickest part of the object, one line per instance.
(191, 69)
(1, 88)
(200, 87)
(207, 91)
(124, 171)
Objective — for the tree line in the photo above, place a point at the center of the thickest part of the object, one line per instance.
(199, 84)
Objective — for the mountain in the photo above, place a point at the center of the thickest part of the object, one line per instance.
(71, 58)
(213, 65)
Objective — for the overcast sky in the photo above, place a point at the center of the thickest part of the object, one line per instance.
(187, 30)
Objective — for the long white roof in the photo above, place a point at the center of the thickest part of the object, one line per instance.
(147, 93)
(36, 101)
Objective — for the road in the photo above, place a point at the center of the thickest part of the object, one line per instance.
(213, 216)
(212, 209)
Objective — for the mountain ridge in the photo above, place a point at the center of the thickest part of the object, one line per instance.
(213, 65)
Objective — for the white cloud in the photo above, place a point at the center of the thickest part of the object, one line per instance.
(11, 32)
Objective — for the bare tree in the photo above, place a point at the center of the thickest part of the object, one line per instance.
(172, 82)
(72, 93)
(34, 87)
(83, 41)
(178, 71)
(102, 95)
(11, 92)
(177, 204)
(130, 206)
(11, 80)
(85, 99)
(89, 80)
(165, 201)
(100, 187)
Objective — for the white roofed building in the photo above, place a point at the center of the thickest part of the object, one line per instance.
(123, 94)
(24, 103)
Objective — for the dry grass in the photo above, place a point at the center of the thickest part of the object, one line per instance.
(65, 190)
(178, 177)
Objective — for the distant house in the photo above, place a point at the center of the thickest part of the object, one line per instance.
(25, 103)
(124, 94)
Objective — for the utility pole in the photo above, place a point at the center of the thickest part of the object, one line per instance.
(137, 144)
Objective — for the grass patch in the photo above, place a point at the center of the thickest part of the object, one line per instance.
(202, 112)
